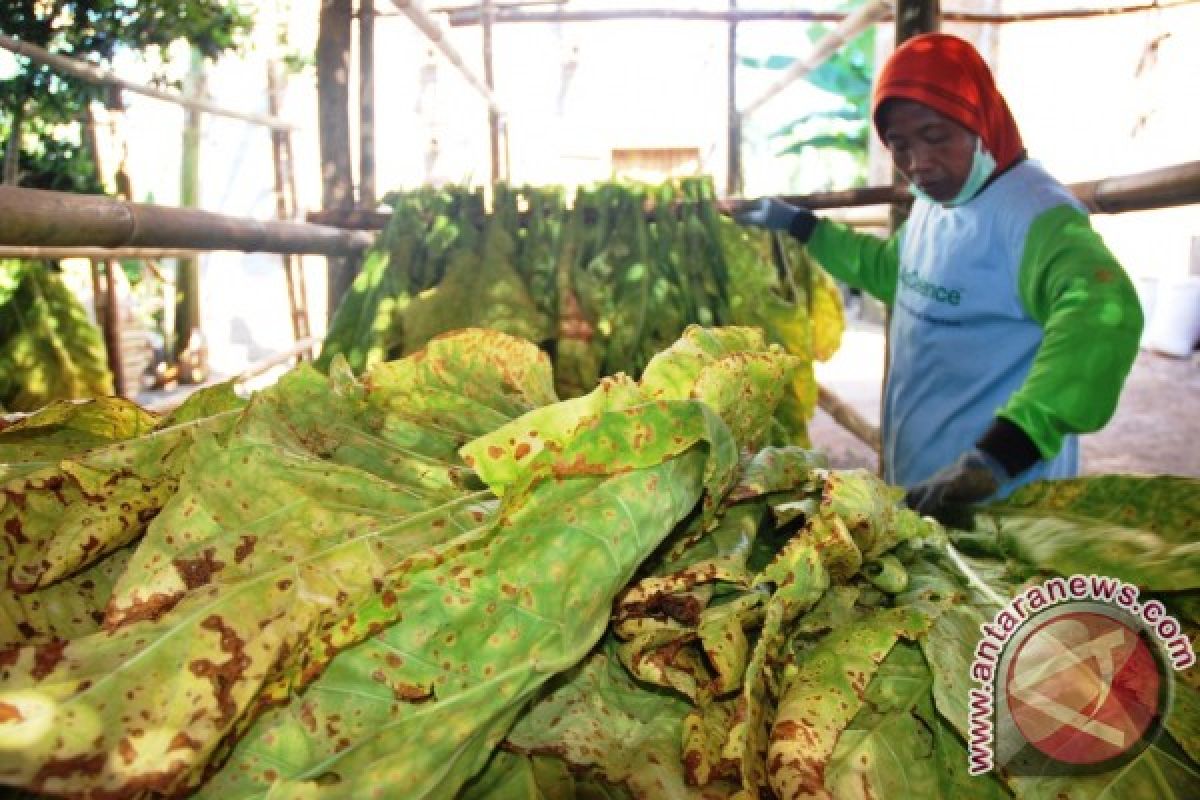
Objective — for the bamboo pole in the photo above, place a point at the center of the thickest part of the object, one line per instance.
(36, 217)
(187, 275)
(846, 30)
(293, 270)
(93, 74)
(733, 169)
(488, 12)
(112, 328)
(468, 15)
(436, 33)
(96, 253)
(846, 416)
(366, 103)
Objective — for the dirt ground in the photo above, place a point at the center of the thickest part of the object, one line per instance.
(1156, 429)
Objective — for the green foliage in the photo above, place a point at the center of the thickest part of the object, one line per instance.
(439, 581)
(49, 349)
(52, 106)
(602, 286)
(847, 74)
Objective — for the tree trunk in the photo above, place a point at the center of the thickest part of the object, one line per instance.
(12, 150)
(333, 112)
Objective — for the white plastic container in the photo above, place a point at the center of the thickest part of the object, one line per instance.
(1174, 326)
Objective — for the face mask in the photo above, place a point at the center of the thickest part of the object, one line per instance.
(982, 167)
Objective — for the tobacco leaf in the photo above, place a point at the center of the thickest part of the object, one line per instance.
(58, 519)
(1133, 528)
(824, 695)
(282, 557)
(485, 621)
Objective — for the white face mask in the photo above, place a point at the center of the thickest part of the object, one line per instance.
(982, 167)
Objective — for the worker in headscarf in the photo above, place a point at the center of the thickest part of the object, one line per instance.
(1013, 327)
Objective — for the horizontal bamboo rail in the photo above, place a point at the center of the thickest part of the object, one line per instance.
(94, 74)
(466, 16)
(1176, 185)
(35, 217)
(97, 253)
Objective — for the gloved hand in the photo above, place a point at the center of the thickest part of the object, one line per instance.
(769, 213)
(974, 477)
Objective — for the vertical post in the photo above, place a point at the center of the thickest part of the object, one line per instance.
(112, 328)
(12, 149)
(366, 103)
(187, 281)
(733, 175)
(285, 207)
(487, 12)
(333, 112)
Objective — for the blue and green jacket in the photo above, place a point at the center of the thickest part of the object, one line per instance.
(1009, 307)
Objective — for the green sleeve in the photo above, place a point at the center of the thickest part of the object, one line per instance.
(1092, 321)
(859, 259)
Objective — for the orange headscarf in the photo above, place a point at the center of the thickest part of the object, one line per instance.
(948, 75)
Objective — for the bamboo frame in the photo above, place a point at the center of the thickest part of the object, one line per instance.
(54, 253)
(468, 15)
(36, 217)
(436, 34)
(93, 74)
(1166, 187)
(366, 103)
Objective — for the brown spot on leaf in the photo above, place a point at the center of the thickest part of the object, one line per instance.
(245, 548)
(10, 713)
(46, 658)
(197, 572)
(223, 676)
(13, 528)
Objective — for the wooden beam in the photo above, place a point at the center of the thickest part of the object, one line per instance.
(733, 166)
(36, 217)
(467, 15)
(93, 74)
(488, 12)
(436, 33)
(366, 103)
(847, 29)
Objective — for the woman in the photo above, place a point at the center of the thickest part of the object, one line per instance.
(1012, 326)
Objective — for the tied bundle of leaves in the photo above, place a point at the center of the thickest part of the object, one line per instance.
(49, 349)
(437, 580)
(601, 287)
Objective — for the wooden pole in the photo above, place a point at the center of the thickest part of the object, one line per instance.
(187, 276)
(36, 217)
(488, 12)
(846, 416)
(333, 109)
(366, 104)
(436, 33)
(293, 270)
(112, 328)
(733, 175)
(12, 148)
(469, 15)
(95, 253)
(93, 74)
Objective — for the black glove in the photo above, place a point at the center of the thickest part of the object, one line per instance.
(776, 215)
(974, 477)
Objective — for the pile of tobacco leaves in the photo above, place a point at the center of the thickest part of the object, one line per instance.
(601, 286)
(437, 580)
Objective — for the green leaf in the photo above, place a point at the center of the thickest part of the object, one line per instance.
(65, 428)
(1133, 528)
(598, 718)
(245, 589)
(508, 585)
(824, 695)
